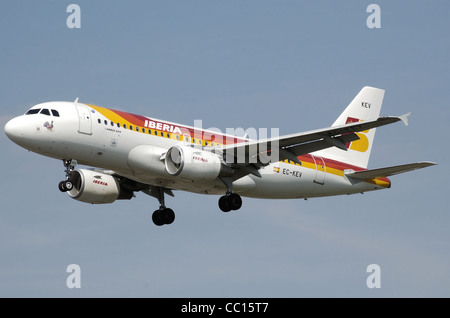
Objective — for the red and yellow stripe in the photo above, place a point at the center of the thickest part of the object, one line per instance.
(207, 138)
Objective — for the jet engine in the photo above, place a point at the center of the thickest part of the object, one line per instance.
(195, 164)
(96, 187)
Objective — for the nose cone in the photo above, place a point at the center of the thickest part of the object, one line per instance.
(13, 129)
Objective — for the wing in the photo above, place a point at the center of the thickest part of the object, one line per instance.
(254, 154)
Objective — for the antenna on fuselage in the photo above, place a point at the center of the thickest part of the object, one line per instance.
(76, 100)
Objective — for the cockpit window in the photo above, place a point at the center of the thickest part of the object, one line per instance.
(45, 111)
(33, 111)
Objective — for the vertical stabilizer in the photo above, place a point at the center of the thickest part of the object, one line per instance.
(365, 106)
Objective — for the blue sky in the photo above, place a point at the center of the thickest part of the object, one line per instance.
(291, 65)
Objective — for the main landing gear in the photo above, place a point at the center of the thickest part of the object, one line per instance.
(230, 201)
(163, 215)
(67, 185)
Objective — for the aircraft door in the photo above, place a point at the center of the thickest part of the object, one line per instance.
(85, 119)
(320, 170)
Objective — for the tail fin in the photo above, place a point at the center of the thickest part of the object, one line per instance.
(365, 106)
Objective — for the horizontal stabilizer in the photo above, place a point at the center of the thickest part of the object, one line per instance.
(388, 171)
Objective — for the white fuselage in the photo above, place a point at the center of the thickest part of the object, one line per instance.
(92, 136)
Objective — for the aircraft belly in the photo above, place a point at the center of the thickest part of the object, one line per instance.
(284, 181)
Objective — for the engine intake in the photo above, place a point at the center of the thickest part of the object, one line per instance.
(96, 187)
(195, 164)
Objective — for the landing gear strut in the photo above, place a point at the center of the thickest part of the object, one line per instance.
(67, 185)
(230, 201)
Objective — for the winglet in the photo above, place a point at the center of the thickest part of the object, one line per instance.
(404, 118)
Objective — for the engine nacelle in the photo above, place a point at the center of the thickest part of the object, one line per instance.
(194, 164)
(147, 159)
(96, 187)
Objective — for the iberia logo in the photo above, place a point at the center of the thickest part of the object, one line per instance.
(362, 144)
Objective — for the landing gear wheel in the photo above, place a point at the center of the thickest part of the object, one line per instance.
(65, 186)
(230, 202)
(163, 216)
(236, 201)
(168, 215)
(225, 204)
(157, 218)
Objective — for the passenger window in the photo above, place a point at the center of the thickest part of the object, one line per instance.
(118, 125)
(137, 128)
(33, 111)
(45, 111)
(55, 113)
(131, 127)
(143, 130)
(99, 121)
(106, 122)
(112, 124)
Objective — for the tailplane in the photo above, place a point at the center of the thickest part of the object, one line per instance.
(388, 171)
(365, 106)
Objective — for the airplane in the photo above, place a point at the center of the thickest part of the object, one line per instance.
(132, 153)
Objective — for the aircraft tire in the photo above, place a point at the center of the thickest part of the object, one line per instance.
(65, 186)
(61, 186)
(168, 216)
(157, 218)
(225, 203)
(235, 201)
(163, 216)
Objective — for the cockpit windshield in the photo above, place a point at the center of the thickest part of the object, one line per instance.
(43, 111)
(33, 111)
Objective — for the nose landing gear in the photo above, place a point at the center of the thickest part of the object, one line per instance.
(67, 185)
